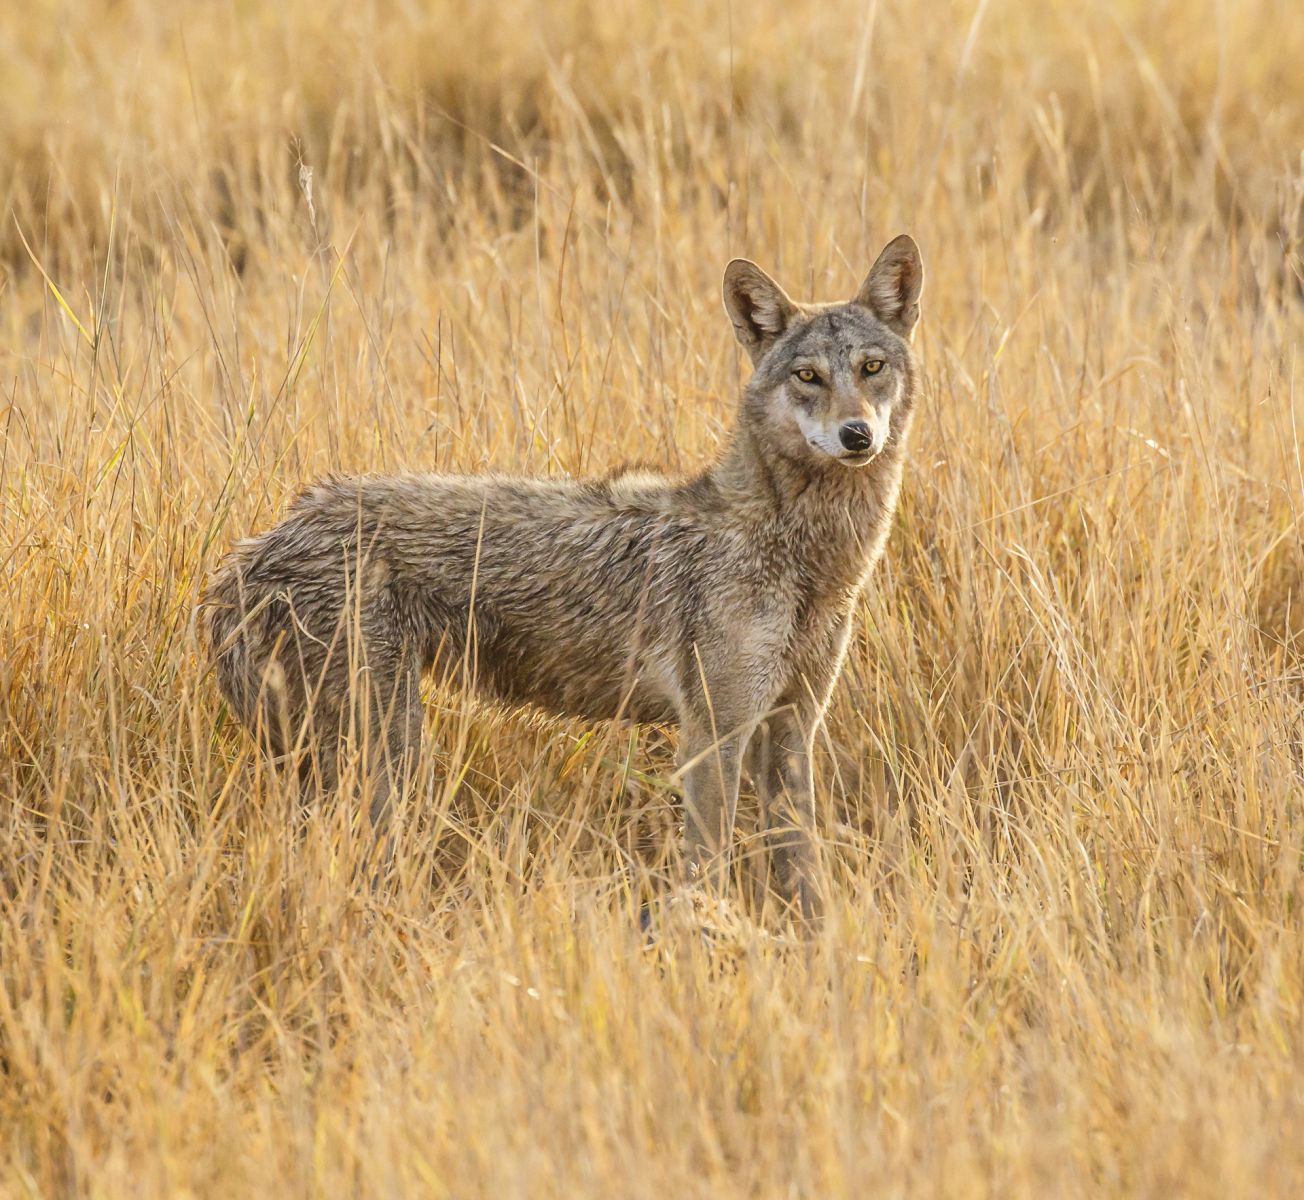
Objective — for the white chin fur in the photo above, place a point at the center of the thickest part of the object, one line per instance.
(858, 460)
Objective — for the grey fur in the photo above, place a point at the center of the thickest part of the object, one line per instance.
(721, 602)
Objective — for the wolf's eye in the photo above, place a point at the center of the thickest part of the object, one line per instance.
(806, 375)
(873, 366)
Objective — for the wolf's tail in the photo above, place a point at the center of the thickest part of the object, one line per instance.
(225, 625)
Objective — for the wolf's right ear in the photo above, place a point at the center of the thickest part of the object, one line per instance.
(758, 307)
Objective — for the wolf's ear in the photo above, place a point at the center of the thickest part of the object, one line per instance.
(758, 307)
(892, 287)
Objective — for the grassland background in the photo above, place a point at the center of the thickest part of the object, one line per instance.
(1062, 775)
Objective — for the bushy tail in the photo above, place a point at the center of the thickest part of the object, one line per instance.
(226, 633)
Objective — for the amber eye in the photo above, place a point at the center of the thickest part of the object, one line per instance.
(806, 375)
(873, 366)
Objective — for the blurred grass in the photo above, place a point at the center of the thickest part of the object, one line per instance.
(1062, 775)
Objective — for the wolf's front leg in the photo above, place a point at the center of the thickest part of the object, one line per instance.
(711, 763)
(785, 789)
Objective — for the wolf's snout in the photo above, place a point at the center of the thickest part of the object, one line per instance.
(856, 436)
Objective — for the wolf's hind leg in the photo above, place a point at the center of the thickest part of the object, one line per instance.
(397, 722)
(319, 761)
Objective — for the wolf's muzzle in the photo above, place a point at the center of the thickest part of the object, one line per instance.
(856, 436)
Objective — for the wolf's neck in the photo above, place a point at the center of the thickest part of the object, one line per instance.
(830, 522)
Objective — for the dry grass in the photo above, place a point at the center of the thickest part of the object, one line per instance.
(1063, 773)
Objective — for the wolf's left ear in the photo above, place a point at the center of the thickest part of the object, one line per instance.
(758, 307)
(892, 287)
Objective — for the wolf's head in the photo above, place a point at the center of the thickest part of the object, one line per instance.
(833, 382)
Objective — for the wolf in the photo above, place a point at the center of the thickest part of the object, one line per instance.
(720, 602)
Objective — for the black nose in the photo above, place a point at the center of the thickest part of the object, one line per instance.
(855, 436)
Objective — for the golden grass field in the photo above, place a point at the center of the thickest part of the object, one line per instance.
(1062, 780)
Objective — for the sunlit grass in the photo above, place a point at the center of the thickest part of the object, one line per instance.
(1062, 775)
